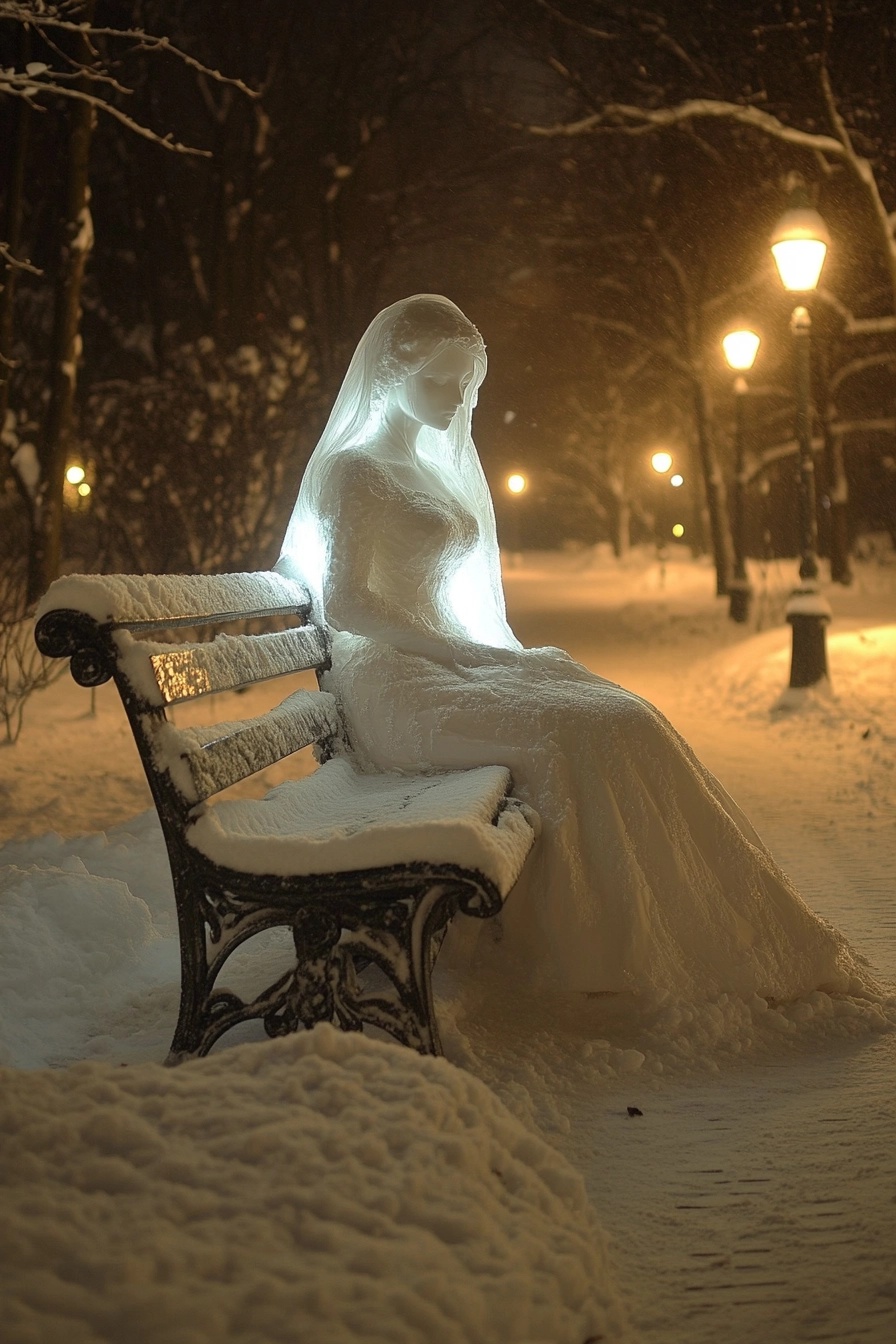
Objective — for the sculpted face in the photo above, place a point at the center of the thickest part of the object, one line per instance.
(432, 394)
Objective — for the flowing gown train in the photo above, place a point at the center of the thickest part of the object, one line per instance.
(646, 875)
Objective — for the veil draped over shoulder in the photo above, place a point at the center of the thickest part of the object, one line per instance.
(400, 340)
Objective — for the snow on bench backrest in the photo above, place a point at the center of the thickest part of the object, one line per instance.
(153, 675)
(154, 600)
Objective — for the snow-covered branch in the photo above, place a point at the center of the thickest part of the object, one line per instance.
(639, 120)
(630, 120)
(840, 428)
(73, 77)
(29, 88)
(49, 19)
(16, 263)
(856, 366)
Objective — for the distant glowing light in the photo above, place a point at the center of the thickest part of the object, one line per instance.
(83, 489)
(661, 462)
(516, 483)
(740, 349)
(676, 480)
(75, 475)
(799, 245)
(678, 530)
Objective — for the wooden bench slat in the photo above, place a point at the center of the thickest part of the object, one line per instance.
(184, 671)
(203, 761)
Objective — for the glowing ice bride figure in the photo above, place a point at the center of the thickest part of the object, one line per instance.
(646, 874)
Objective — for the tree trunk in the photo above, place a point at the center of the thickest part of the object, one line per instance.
(715, 492)
(12, 231)
(76, 243)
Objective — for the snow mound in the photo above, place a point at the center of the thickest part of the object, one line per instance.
(748, 679)
(322, 1188)
(88, 946)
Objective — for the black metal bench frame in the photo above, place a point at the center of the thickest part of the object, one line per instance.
(342, 922)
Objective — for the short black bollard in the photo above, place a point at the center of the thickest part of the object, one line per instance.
(740, 597)
(808, 614)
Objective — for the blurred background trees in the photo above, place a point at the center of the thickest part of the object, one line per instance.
(594, 184)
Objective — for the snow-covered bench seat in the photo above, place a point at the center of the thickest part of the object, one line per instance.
(366, 870)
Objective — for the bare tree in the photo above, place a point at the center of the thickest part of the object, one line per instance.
(76, 72)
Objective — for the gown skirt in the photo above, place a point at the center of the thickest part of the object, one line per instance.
(646, 876)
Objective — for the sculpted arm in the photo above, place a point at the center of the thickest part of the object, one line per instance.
(354, 505)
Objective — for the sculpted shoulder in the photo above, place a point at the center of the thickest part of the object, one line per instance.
(355, 480)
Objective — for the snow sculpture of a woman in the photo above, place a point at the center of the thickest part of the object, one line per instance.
(646, 874)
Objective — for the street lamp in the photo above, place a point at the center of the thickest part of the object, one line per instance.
(740, 349)
(799, 244)
(517, 485)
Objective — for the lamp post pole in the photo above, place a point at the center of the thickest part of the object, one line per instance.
(801, 330)
(740, 591)
(799, 245)
(807, 611)
(740, 349)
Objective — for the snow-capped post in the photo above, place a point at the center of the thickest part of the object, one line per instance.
(740, 349)
(799, 245)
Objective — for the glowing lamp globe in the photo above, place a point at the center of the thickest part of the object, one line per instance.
(75, 475)
(740, 349)
(676, 480)
(799, 245)
(678, 530)
(661, 462)
(516, 483)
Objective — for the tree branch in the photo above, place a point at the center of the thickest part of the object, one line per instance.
(631, 120)
(20, 265)
(51, 19)
(24, 86)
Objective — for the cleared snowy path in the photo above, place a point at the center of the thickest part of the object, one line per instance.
(758, 1204)
(754, 1198)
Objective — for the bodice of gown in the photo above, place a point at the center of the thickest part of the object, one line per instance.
(420, 540)
(406, 538)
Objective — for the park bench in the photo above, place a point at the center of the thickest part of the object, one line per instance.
(365, 869)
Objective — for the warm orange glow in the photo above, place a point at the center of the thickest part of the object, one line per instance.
(516, 483)
(661, 462)
(75, 475)
(678, 530)
(740, 349)
(676, 480)
(799, 244)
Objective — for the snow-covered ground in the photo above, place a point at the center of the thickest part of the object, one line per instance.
(739, 1157)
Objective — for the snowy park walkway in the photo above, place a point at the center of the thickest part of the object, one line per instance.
(759, 1202)
(743, 1167)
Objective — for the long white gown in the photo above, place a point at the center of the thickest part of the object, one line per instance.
(646, 874)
